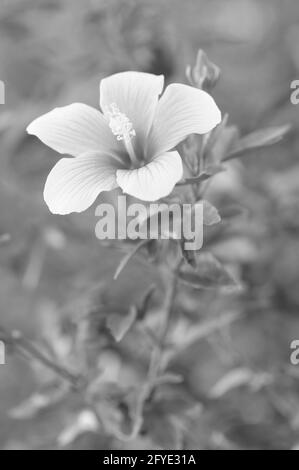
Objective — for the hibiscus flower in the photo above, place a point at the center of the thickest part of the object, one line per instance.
(130, 144)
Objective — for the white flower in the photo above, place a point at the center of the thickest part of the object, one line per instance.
(129, 144)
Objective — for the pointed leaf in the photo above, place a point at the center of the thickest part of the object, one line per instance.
(127, 258)
(37, 402)
(203, 176)
(258, 139)
(119, 325)
(208, 273)
(86, 421)
(210, 213)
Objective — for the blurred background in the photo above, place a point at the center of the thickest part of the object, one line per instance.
(237, 372)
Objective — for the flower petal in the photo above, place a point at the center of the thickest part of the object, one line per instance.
(74, 183)
(181, 111)
(74, 129)
(154, 180)
(136, 95)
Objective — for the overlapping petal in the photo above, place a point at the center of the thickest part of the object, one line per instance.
(74, 129)
(102, 161)
(154, 180)
(182, 110)
(74, 183)
(136, 95)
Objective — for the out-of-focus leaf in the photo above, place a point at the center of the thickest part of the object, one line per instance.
(30, 407)
(146, 300)
(210, 213)
(210, 216)
(37, 402)
(237, 249)
(86, 421)
(233, 210)
(168, 379)
(184, 335)
(173, 412)
(127, 258)
(119, 325)
(257, 139)
(163, 430)
(188, 255)
(284, 184)
(141, 443)
(111, 417)
(4, 238)
(233, 379)
(203, 176)
(220, 142)
(238, 377)
(197, 179)
(208, 273)
(175, 401)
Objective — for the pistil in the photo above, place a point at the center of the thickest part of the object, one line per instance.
(122, 128)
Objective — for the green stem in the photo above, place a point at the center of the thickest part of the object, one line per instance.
(25, 347)
(155, 362)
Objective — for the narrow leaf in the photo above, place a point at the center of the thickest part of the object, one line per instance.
(210, 213)
(119, 325)
(208, 273)
(203, 176)
(258, 139)
(127, 258)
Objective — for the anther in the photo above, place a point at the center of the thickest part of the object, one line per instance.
(122, 128)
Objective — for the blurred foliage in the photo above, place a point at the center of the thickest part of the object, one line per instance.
(228, 382)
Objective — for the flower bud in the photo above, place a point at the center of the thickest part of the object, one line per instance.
(204, 74)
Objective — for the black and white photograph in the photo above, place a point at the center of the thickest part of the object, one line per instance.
(149, 228)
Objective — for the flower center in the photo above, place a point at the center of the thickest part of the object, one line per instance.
(122, 128)
(119, 123)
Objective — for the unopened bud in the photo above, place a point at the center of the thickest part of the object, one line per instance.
(204, 74)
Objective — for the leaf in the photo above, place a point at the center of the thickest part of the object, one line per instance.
(30, 407)
(185, 335)
(162, 429)
(236, 249)
(145, 302)
(188, 255)
(168, 378)
(196, 179)
(86, 421)
(220, 142)
(203, 176)
(208, 273)
(234, 210)
(5, 238)
(233, 379)
(37, 402)
(258, 139)
(210, 213)
(127, 258)
(210, 217)
(119, 325)
(236, 378)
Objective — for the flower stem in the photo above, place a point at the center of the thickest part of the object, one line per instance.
(167, 310)
(156, 357)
